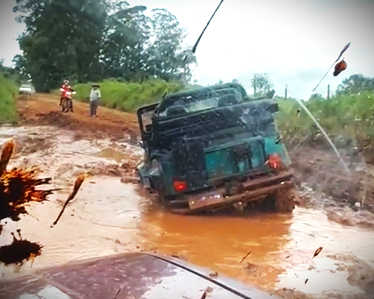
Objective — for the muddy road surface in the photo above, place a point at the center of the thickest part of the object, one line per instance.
(112, 214)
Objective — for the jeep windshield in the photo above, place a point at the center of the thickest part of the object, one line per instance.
(189, 102)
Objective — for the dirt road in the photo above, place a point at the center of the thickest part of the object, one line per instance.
(44, 109)
(109, 216)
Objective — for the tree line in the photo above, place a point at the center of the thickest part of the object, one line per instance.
(91, 40)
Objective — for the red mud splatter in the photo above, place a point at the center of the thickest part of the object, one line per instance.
(19, 251)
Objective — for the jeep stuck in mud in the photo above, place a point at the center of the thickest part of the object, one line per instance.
(214, 148)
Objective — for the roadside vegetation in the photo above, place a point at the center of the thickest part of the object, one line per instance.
(8, 93)
(347, 117)
(128, 96)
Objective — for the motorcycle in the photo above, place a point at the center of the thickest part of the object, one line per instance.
(67, 101)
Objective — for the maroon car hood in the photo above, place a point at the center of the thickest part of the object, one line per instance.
(126, 276)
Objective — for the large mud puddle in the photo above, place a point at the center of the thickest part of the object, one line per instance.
(109, 216)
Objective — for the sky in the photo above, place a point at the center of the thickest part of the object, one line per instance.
(293, 41)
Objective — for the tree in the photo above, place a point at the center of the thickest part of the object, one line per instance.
(62, 38)
(355, 84)
(138, 47)
(261, 84)
(316, 96)
(166, 53)
(20, 65)
(13, 73)
(124, 48)
(90, 40)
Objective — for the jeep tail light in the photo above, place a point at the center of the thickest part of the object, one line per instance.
(275, 161)
(179, 186)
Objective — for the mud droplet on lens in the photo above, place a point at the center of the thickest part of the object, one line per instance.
(205, 294)
(19, 251)
(317, 252)
(18, 187)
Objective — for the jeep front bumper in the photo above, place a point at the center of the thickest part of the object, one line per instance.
(252, 191)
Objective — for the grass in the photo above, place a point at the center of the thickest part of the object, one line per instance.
(348, 118)
(128, 96)
(8, 93)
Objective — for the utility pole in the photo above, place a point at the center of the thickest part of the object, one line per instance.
(328, 91)
(285, 92)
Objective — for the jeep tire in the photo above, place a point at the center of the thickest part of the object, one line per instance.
(284, 200)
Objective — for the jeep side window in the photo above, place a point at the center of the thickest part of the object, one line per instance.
(196, 103)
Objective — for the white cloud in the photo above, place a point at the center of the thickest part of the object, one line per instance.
(294, 41)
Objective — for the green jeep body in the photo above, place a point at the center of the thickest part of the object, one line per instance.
(208, 148)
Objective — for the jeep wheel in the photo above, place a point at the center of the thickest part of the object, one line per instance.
(284, 200)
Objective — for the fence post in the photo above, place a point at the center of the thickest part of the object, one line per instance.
(285, 92)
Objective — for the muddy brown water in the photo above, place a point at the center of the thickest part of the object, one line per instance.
(108, 216)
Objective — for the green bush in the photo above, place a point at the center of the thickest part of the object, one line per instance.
(350, 117)
(127, 96)
(8, 93)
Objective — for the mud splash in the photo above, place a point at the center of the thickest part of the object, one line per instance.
(18, 188)
(19, 251)
(108, 216)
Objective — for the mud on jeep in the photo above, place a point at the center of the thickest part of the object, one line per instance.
(214, 148)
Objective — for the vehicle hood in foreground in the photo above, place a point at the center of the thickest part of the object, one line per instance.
(130, 276)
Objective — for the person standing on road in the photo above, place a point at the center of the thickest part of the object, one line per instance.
(95, 97)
